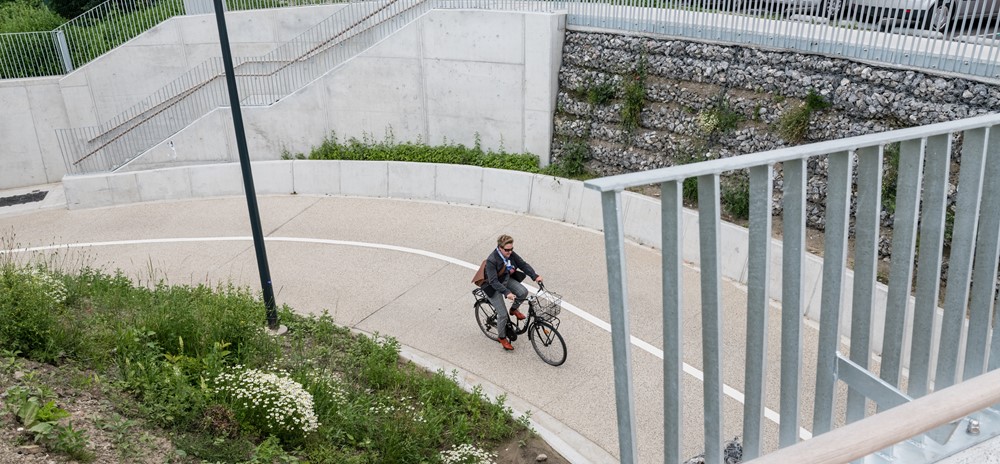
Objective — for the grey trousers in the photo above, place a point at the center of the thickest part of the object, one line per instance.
(520, 294)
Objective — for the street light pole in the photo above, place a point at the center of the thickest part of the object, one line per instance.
(241, 144)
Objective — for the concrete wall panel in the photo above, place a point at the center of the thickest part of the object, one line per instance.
(364, 178)
(18, 162)
(47, 115)
(273, 177)
(164, 184)
(124, 188)
(459, 184)
(88, 192)
(216, 180)
(468, 97)
(316, 177)
(642, 219)
(470, 35)
(509, 190)
(412, 180)
(549, 197)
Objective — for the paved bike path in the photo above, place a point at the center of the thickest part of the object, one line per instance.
(402, 268)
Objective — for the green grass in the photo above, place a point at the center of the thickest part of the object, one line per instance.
(179, 355)
(369, 149)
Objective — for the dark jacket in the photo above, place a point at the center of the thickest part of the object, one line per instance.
(496, 273)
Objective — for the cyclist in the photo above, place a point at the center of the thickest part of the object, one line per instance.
(504, 272)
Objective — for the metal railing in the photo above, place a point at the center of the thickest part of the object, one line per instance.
(897, 32)
(101, 29)
(261, 81)
(924, 170)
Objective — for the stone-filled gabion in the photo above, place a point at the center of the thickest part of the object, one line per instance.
(684, 79)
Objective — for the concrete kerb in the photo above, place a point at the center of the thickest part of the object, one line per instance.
(521, 192)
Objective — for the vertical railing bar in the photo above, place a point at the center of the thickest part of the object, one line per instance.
(621, 347)
(865, 260)
(929, 261)
(711, 320)
(792, 257)
(956, 299)
(985, 271)
(671, 218)
(834, 256)
(758, 303)
(904, 231)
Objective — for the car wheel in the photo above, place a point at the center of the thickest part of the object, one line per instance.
(938, 18)
(833, 9)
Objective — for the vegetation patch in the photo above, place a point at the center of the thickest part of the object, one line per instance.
(794, 124)
(197, 379)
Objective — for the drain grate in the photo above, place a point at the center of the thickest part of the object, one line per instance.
(37, 195)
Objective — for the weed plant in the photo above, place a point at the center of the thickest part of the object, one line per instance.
(186, 359)
(794, 125)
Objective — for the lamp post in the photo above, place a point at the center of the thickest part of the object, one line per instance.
(248, 188)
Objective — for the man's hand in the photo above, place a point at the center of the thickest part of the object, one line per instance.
(510, 296)
(538, 279)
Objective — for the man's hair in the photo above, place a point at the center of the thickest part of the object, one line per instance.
(503, 240)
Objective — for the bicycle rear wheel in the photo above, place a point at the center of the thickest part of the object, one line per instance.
(547, 342)
(486, 317)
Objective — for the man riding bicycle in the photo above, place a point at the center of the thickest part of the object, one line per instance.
(504, 272)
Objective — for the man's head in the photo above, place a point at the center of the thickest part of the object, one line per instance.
(506, 244)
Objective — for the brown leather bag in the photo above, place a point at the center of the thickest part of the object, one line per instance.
(480, 278)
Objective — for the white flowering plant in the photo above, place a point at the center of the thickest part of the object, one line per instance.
(467, 454)
(272, 403)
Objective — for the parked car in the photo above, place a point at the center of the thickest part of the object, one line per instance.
(935, 15)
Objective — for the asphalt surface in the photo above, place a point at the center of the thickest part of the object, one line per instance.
(403, 268)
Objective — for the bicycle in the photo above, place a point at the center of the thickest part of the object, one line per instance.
(542, 323)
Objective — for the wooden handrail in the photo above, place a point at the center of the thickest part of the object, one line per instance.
(874, 433)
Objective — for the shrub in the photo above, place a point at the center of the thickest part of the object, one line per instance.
(270, 403)
(32, 308)
(387, 150)
(27, 16)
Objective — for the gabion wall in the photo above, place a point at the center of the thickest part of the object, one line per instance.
(688, 84)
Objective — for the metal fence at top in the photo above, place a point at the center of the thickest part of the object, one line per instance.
(101, 29)
(911, 33)
(961, 343)
(892, 33)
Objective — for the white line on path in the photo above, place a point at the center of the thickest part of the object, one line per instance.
(690, 370)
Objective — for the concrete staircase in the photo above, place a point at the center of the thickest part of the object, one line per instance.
(262, 81)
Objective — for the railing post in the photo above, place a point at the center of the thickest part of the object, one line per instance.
(621, 347)
(59, 40)
(197, 7)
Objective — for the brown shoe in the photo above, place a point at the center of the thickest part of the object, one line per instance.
(506, 344)
(517, 314)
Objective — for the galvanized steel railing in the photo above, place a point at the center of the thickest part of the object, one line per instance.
(101, 29)
(967, 47)
(261, 81)
(925, 162)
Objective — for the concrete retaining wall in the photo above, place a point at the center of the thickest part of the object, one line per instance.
(538, 195)
(447, 77)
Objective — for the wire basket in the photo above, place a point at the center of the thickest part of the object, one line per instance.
(549, 305)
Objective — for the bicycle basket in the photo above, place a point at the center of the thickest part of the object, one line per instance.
(549, 304)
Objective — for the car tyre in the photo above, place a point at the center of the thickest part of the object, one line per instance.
(832, 9)
(938, 18)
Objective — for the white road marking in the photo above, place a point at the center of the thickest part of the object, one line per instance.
(643, 345)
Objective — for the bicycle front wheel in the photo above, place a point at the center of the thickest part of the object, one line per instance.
(547, 343)
(486, 317)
